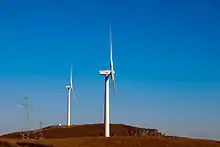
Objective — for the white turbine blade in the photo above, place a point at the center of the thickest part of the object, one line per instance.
(71, 78)
(113, 82)
(71, 85)
(111, 61)
(74, 95)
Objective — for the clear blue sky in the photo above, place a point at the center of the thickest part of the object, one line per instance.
(166, 55)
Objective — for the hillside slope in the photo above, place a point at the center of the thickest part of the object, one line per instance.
(111, 142)
(88, 130)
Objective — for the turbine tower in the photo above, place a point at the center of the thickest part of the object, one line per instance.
(26, 105)
(107, 74)
(70, 89)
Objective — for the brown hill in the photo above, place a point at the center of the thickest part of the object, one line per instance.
(89, 136)
(113, 142)
(88, 130)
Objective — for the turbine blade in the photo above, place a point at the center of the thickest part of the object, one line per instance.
(31, 111)
(71, 85)
(74, 95)
(21, 105)
(111, 62)
(113, 82)
(71, 78)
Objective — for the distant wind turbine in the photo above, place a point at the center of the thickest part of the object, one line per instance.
(27, 107)
(70, 89)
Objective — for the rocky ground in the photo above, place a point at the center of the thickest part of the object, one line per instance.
(91, 135)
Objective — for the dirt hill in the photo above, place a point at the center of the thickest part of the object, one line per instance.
(110, 142)
(88, 130)
(90, 136)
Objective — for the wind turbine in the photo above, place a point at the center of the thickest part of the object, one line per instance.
(70, 89)
(27, 107)
(107, 74)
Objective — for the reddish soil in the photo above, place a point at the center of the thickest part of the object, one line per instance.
(89, 130)
(90, 136)
(110, 142)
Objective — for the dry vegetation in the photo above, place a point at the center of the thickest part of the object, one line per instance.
(91, 136)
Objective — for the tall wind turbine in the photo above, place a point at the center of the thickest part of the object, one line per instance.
(107, 74)
(70, 89)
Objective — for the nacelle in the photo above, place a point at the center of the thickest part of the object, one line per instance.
(105, 72)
